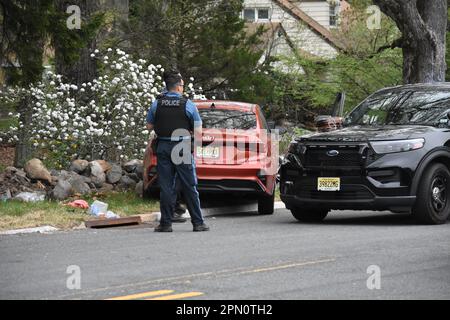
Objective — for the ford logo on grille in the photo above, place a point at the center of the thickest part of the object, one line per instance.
(332, 153)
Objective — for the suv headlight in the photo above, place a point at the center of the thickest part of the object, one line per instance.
(383, 147)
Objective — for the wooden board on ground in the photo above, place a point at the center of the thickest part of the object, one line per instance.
(108, 223)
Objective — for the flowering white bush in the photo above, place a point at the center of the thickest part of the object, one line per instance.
(102, 119)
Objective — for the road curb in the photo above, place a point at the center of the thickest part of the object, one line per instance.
(43, 229)
(209, 212)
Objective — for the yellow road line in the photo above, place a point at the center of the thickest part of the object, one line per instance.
(178, 296)
(204, 275)
(142, 295)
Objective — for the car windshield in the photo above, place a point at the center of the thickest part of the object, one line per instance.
(227, 119)
(404, 107)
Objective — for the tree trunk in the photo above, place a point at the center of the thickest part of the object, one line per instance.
(23, 151)
(423, 24)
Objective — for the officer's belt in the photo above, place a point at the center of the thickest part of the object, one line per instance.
(175, 139)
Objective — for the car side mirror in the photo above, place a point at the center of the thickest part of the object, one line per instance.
(271, 125)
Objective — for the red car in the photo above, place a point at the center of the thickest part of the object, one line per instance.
(237, 155)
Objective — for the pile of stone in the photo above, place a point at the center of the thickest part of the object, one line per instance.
(81, 178)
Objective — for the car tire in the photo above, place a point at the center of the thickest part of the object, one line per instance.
(266, 204)
(433, 197)
(309, 215)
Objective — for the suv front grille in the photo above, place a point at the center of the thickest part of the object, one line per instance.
(349, 156)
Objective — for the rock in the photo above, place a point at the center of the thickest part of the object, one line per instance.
(86, 179)
(79, 166)
(79, 185)
(62, 191)
(55, 173)
(107, 187)
(134, 176)
(140, 171)
(64, 175)
(96, 169)
(98, 181)
(98, 177)
(114, 175)
(105, 165)
(139, 188)
(130, 166)
(30, 196)
(35, 169)
(126, 183)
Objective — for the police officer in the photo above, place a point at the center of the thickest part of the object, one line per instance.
(179, 210)
(173, 118)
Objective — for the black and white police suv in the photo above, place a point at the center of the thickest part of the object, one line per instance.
(393, 153)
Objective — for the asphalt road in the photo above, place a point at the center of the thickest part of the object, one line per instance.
(244, 256)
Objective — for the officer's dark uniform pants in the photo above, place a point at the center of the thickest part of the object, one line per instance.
(185, 172)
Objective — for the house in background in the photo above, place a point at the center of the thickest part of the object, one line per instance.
(296, 27)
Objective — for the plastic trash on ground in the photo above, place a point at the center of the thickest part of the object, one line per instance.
(78, 204)
(30, 196)
(111, 215)
(98, 208)
(6, 196)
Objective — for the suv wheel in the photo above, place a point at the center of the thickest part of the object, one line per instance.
(309, 215)
(433, 197)
(266, 204)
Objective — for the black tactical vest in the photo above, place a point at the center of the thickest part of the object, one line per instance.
(171, 115)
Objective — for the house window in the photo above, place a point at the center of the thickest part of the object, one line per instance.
(263, 14)
(256, 14)
(249, 15)
(333, 15)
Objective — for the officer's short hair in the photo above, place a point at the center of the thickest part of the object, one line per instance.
(172, 78)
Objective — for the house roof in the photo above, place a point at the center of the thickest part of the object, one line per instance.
(299, 14)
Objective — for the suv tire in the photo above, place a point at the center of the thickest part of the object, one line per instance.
(433, 197)
(266, 204)
(309, 215)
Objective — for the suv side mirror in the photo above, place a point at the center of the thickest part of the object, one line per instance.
(271, 125)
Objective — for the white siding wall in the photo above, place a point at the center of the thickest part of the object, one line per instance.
(318, 10)
(301, 35)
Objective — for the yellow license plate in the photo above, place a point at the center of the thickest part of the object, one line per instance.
(208, 152)
(329, 184)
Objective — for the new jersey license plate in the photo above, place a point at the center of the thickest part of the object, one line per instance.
(329, 184)
(208, 152)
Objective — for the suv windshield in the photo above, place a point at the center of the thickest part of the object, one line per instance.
(227, 119)
(405, 107)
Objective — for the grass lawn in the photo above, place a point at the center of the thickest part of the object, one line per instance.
(16, 214)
